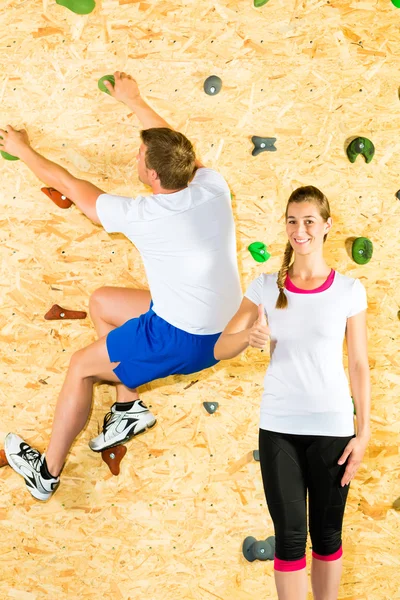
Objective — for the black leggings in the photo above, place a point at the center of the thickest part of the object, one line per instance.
(291, 465)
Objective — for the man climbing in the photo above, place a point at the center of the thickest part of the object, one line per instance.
(185, 233)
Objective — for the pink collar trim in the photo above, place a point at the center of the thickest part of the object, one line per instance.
(289, 285)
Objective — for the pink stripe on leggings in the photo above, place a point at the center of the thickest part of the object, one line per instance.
(289, 565)
(329, 557)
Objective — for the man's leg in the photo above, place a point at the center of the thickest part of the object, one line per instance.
(41, 473)
(111, 307)
(73, 406)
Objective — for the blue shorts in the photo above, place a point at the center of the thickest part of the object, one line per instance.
(149, 348)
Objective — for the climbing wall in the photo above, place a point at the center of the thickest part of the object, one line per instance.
(312, 74)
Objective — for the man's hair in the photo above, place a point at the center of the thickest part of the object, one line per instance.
(171, 155)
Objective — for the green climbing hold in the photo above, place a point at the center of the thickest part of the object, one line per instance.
(361, 145)
(396, 3)
(101, 85)
(259, 252)
(259, 3)
(6, 155)
(361, 250)
(80, 7)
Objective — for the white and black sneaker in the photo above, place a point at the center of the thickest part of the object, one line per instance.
(30, 463)
(119, 426)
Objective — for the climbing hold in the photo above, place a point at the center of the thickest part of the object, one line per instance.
(6, 155)
(262, 550)
(396, 3)
(80, 7)
(259, 252)
(256, 455)
(263, 144)
(396, 503)
(210, 407)
(57, 313)
(212, 85)
(259, 3)
(3, 459)
(113, 456)
(59, 199)
(398, 194)
(101, 81)
(361, 145)
(361, 250)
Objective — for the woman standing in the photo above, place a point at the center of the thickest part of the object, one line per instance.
(307, 440)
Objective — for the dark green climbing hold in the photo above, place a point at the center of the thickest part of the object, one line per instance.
(361, 145)
(80, 7)
(259, 3)
(259, 252)
(6, 155)
(362, 250)
(101, 81)
(354, 406)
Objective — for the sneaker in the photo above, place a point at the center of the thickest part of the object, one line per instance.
(121, 426)
(27, 461)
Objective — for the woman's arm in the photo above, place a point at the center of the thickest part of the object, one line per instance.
(247, 327)
(356, 339)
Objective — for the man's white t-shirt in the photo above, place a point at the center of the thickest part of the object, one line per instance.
(305, 387)
(187, 242)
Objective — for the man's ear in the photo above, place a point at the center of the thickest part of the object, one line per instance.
(153, 175)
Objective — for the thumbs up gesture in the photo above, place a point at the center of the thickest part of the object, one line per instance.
(259, 333)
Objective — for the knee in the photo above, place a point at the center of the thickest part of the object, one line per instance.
(326, 543)
(97, 301)
(290, 544)
(76, 364)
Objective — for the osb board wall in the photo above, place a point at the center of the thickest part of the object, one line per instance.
(311, 74)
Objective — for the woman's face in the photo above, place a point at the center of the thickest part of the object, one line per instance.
(305, 227)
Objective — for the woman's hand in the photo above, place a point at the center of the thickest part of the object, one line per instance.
(126, 88)
(259, 332)
(13, 140)
(354, 452)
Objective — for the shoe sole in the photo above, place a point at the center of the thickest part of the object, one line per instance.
(129, 437)
(35, 493)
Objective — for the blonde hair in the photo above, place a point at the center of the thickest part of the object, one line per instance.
(311, 194)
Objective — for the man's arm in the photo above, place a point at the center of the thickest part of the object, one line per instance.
(146, 115)
(82, 193)
(126, 90)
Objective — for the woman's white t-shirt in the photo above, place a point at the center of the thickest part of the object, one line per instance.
(306, 390)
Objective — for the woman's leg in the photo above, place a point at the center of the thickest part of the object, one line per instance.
(73, 406)
(111, 307)
(327, 501)
(283, 468)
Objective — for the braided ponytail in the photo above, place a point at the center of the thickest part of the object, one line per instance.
(282, 299)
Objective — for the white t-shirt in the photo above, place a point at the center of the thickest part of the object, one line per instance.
(305, 387)
(188, 245)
